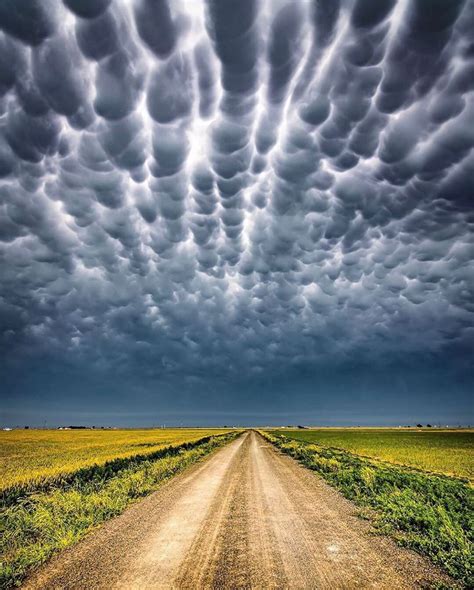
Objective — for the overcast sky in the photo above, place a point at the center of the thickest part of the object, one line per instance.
(236, 211)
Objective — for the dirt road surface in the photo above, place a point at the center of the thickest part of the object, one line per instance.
(247, 517)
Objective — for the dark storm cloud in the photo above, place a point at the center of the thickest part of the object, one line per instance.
(87, 8)
(56, 71)
(31, 138)
(169, 94)
(283, 50)
(155, 26)
(32, 22)
(211, 189)
(232, 27)
(206, 79)
(98, 37)
(119, 81)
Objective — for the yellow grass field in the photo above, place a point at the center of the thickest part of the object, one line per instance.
(28, 456)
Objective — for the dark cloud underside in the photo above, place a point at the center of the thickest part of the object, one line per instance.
(210, 193)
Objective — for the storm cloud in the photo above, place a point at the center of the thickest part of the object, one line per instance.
(202, 195)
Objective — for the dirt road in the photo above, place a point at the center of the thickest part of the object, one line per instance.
(247, 517)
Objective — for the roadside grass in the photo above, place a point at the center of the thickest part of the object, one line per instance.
(433, 514)
(449, 452)
(36, 523)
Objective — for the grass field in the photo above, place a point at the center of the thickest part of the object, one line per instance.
(431, 513)
(29, 456)
(450, 452)
(55, 498)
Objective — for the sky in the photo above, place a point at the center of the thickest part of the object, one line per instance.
(236, 211)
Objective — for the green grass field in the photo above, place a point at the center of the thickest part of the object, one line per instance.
(58, 485)
(33, 455)
(432, 513)
(450, 452)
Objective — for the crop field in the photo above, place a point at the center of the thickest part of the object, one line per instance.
(29, 456)
(450, 452)
(61, 484)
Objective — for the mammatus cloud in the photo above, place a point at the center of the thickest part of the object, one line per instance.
(215, 187)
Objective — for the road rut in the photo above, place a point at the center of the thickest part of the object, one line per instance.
(247, 517)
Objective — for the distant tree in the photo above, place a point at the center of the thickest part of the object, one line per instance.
(428, 426)
(26, 427)
(419, 425)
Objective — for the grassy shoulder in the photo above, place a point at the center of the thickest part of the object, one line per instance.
(432, 514)
(42, 521)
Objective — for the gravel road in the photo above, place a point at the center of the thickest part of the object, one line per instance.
(246, 517)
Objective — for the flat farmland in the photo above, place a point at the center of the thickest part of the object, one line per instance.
(246, 517)
(28, 456)
(231, 510)
(449, 452)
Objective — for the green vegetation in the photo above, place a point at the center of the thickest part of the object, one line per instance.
(449, 452)
(31, 456)
(37, 522)
(430, 513)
